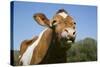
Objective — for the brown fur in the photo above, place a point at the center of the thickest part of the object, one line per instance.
(42, 47)
(24, 46)
(49, 49)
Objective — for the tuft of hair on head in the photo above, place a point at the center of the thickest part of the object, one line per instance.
(61, 10)
(62, 13)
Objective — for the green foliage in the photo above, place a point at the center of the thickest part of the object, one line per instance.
(84, 50)
(16, 55)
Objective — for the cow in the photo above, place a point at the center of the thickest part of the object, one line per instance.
(52, 43)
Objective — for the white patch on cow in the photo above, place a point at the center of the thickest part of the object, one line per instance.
(70, 31)
(63, 14)
(27, 56)
(64, 34)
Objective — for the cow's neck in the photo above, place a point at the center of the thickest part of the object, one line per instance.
(56, 48)
(55, 53)
(42, 47)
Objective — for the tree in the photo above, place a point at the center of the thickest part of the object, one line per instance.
(84, 50)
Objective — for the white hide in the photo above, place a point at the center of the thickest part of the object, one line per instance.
(70, 32)
(27, 56)
(64, 34)
(63, 14)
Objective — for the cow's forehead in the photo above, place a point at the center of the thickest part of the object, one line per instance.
(63, 17)
(63, 14)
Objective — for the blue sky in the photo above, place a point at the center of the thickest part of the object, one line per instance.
(25, 27)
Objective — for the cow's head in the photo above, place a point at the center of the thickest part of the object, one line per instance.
(62, 23)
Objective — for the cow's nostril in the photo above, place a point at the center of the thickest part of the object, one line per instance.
(73, 33)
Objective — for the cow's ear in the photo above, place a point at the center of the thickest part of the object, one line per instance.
(41, 19)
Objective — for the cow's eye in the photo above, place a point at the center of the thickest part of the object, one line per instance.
(54, 22)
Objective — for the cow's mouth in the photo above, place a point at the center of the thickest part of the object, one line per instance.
(69, 41)
(66, 42)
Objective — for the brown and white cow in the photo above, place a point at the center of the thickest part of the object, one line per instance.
(52, 43)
